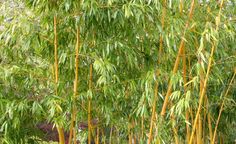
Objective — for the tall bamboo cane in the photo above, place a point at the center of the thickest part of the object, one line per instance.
(89, 103)
(185, 77)
(185, 90)
(199, 130)
(221, 108)
(74, 109)
(157, 74)
(97, 136)
(59, 129)
(169, 89)
(210, 127)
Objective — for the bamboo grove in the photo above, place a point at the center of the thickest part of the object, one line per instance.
(135, 71)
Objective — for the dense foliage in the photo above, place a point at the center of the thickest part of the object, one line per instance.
(127, 67)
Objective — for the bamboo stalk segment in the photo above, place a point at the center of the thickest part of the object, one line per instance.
(89, 103)
(74, 109)
(59, 129)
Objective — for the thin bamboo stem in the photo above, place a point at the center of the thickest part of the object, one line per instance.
(204, 118)
(181, 5)
(187, 127)
(157, 74)
(185, 78)
(202, 94)
(61, 135)
(89, 103)
(199, 129)
(59, 129)
(206, 78)
(185, 90)
(74, 108)
(199, 134)
(55, 52)
(174, 129)
(221, 108)
(210, 127)
(97, 136)
(188, 113)
(169, 89)
(153, 113)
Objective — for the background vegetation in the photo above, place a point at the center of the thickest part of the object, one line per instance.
(146, 71)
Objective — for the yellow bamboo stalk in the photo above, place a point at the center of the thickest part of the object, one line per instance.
(130, 138)
(55, 52)
(199, 129)
(59, 129)
(130, 133)
(221, 108)
(185, 90)
(207, 76)
(221, 139)
(97, 136)
(187, 127)
(210, 127)
(202, 94)
(153, 113)
(89, 103)
(61, 135)
(169, 89)
(181, 5)
(199, 134)
(185, 79)
(189, 112)
(204, 118)
(74, 109)
(174, 129)
(157, 74)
